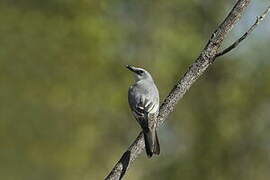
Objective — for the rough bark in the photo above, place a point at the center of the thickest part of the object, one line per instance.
(259, 19)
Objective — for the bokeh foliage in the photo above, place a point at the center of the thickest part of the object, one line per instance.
(63, 88)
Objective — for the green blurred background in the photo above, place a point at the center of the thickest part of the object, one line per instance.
(63, 90)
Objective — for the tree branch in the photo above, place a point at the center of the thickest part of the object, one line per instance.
(196, 69)
(244, 36)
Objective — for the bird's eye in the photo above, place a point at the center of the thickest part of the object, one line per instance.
(140, 72)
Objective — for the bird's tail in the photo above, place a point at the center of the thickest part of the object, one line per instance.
(151, 142)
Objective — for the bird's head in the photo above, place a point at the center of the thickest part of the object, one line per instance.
(139, 73)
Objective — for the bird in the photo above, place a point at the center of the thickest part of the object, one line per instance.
(143, 98)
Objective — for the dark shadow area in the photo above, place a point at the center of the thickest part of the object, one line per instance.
(125, 161)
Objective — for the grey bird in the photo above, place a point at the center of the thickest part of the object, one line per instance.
(143, 98)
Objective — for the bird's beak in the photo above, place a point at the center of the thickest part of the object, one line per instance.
(131, 68)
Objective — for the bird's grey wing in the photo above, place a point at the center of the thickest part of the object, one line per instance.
(141, 103)
(144, 101)
(152, 97)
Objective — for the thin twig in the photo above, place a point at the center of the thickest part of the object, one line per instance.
(238, 41)
(194, 71)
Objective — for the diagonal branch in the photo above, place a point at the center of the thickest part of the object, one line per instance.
(238, 41)
(196, 69)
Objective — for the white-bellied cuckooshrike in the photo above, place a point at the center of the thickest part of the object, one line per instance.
(143, 98)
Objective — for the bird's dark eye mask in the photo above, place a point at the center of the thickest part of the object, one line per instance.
(140, 72)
